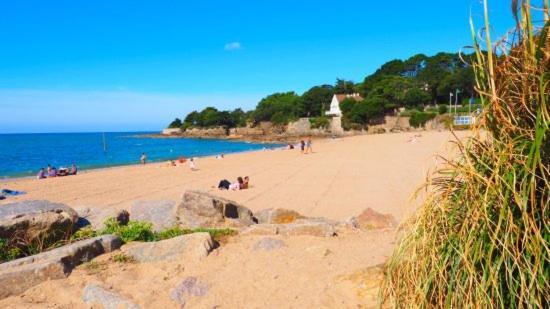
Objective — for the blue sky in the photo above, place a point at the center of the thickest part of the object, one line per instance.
(68, 66)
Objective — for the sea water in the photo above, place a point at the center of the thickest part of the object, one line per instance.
(25, 154)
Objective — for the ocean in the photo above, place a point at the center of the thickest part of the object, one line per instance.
(24, 154)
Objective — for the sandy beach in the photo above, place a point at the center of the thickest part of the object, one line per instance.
(340, 179)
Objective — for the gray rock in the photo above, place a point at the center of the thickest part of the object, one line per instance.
(200, 209)
(305, 227)
(268, 244)
(277, 216)
(189, 287)
(96, 217)
(186, 247)
(19, 275)
(159, 213)
(95, 294)
(36, 221)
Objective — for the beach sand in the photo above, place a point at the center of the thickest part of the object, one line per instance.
(339, 180)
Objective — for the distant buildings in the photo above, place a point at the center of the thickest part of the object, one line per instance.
(337, 99)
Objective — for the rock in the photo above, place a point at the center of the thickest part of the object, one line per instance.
(277, 216)
(311, 228)
(33, 221)
(189, 287)
(95, 294)
(200, 209)
(260, 229)
(96, 217)
(320, 229)
(159, 213)
(19, 275)
(191, 246)
(268, 244)
(370, 219)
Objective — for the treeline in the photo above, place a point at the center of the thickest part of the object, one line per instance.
(412, 83)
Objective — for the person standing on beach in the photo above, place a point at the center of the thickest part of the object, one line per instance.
(302, 145)
(143, 158)
(308, 146)
(192, 164)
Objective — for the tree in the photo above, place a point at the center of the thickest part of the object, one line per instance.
(283, 106)
(344, 86)
(315, 101)
(416, 97)
(175, 124)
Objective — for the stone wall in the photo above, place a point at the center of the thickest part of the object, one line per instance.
(206, 132)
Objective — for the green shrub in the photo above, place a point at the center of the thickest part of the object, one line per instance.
(171, 233)
(321, 122)
(133, 231)
(442, 109)
(8, 252)
(84, 233)
(419, 119)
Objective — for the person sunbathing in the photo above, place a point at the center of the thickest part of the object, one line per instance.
(245, 183)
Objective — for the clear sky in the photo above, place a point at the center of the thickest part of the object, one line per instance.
(103, 65)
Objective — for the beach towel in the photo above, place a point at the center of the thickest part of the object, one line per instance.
(11, 192)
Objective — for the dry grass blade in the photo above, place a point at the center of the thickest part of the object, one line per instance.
(482, 237)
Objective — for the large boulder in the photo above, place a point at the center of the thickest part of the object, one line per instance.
(186, 247)
(277, 216)
(200, 209)
(370, 219)
(32, 221)
(96, 295)
(159, 213)
(19, 275)
(96, 217)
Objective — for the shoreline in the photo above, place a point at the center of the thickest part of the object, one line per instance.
(110, 167)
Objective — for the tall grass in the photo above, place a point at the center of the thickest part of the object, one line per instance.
(481, 238)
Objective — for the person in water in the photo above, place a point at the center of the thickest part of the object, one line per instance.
(41, 174)
(143, 158)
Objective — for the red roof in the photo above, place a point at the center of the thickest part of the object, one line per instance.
(341, 97)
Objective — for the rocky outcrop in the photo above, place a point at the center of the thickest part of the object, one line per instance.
(31, 221)
(159, 213)
(277, 216)
(96, 295)
(96, 217)
(186, 247)
(268, 244)
(370, 219)
(200, 209)
(19, 275)
(189, 287)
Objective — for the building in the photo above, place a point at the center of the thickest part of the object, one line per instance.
(337, 99)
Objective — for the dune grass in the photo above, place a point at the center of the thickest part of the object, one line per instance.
(481, 238)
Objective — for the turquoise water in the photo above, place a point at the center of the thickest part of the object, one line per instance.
(25, 154)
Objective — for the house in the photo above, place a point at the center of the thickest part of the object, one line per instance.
(337, 99)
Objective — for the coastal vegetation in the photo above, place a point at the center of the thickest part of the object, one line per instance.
(132, 231)
(481, 239)
(412, 83)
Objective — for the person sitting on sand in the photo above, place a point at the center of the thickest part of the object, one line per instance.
(245, 183)
(237, 185)
(181, 160)
(52, 172)
(192, 164)
(73, 170)
(41, 174)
